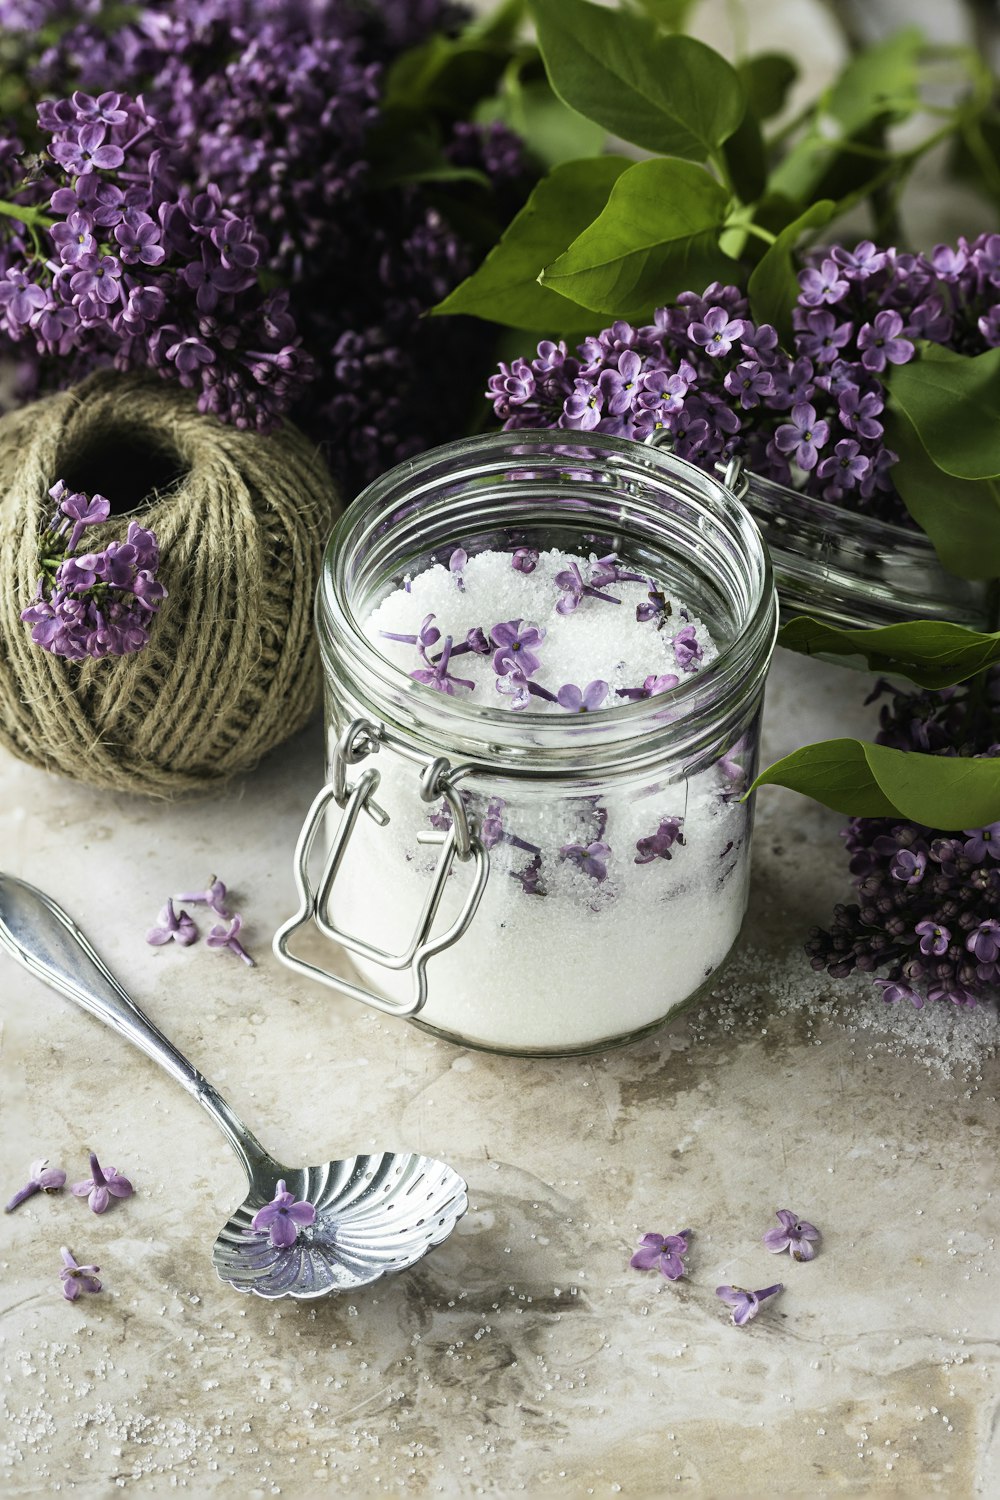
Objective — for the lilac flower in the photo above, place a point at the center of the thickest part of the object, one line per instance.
(87, 151)
(514, 640)
(590, 858)
(656, 607)
(933, 939)
(795, 1235)
(984, 941)
(662, 1252)
(803, 436)
(101, 1186)
(746, 1305)
(229, 937)
(717, 333)
(172, 926)
(687, 651)
(880, 342)
(575, 701)
(514, 685)
(651, 687)
(76, 1278)
(283, 1217)
(524, 559)
(858, 412)
(824, 285)
(750, 382)
(658, 845)
(848, 465)
(908, 866)
(982, 843)
(83, 510)
(571, 581)
(214, 896)
(436, 674)
(41, 1179)
(864, 260)
(894, 991)
(456, 563)
(428, 635)
(821, 338)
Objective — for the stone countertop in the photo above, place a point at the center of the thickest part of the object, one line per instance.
(523, 1355)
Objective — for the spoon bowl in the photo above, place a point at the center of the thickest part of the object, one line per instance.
(375, 1214)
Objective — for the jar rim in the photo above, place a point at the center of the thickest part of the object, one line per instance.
(496, 734)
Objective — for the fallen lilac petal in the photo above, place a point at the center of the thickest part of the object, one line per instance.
(228, 937)
(41, 1179)
(172, 926)
(101, 1186)
(795, 1235)
(746, 1305)
(214, 896)
(76, 1278)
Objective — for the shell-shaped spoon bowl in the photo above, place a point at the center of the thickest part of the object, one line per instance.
(374, 1214)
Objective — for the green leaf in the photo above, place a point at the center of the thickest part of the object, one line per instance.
(961, 516)
(746, 159)
(882, 79)
(932, 653)
(657, 236)
(444, 73)
(505, 288)
(872, 781)
(669, 94)
(552, 132)
(774, 285)
(953, 402)
(668, 15)
(767, 79)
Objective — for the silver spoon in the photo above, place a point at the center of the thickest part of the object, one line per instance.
(374, 1214)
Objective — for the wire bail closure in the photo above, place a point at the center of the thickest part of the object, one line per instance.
(360, 739)
(729, 470)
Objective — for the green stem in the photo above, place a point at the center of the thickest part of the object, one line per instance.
(760, 233)
(33, 217)
(719, 163)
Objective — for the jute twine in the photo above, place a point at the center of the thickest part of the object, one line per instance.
(231, 668)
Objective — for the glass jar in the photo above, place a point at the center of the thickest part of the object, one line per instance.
(853, 570)
(444, 879)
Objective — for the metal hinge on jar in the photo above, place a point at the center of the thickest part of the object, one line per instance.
(437, 781)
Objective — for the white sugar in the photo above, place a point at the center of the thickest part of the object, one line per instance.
(598, 641)
(562, 953)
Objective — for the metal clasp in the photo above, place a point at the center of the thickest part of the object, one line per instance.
(730, 471)
(438, 780)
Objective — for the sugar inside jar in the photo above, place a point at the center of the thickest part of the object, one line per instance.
(545, 665)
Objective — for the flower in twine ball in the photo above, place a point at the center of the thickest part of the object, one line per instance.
(168, 650)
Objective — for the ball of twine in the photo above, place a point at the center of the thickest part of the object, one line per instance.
(231, 668)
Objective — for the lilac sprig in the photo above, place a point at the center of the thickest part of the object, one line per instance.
(927, 913)
(718, 384)
(94, 604)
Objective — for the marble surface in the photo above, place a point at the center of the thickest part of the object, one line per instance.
(523, 1355)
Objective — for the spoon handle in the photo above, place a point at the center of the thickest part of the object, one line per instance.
(42, 937)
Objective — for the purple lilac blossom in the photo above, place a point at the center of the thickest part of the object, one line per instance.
(76, 1278)
(283, 1217)
(436, 675)
(927, 907)
(41, 1179)
(524, 559)
(214, 895)
(172, 926)
(101, 1186)
(746, 1305)
(222, 937)
(859, 311)
(793, 1234)
(231, 157)
(94, 604)
(515, 641)
(663, 1253)
(592, 859)
(659, 845)
(581, 701)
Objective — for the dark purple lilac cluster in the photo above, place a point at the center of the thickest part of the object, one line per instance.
(93, 604)
(717, 384)
(234, 233)
(928, 911)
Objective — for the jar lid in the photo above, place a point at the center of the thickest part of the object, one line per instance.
(560, 489)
